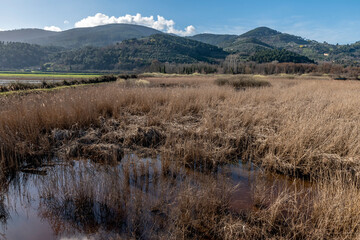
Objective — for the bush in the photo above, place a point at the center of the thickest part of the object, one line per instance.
(239, 82)
(127, 76)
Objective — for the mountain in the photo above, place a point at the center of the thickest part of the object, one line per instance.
(246, 45)
(263, 38)
(127, 55)
(25, 35)
(270, 55)
(261, 32)
(79, 37)
(262, 35)
(126, 46)
(15, 55)
(135, 53)
(214, 39)
(273, 37)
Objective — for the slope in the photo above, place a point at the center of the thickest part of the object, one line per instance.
(135, 53)
(79, 37)
(220, 40)
(25, 35)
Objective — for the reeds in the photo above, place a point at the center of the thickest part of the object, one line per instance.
(294, 128)
(300, 128)
(327, 210)
(242, 82)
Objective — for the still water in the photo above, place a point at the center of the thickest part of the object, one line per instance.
(84, 200)
(4, 82)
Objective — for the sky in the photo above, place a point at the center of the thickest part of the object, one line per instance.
(333, 21)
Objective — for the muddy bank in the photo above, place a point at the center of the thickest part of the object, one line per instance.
(110, 139)
(107, 142)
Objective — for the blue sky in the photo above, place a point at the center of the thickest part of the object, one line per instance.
(331, 21)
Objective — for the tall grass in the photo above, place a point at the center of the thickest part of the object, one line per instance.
(329, 211)
(296, 127)
(242, 81)
(293, 127)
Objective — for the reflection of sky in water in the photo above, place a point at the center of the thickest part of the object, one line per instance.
(30, 216)
(4, 82)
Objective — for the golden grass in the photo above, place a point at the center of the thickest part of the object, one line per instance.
(293, 127)
(330, 210)
(37, 90)
(242, 82)
(296, 127)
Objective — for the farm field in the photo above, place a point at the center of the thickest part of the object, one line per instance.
(45, 76)
(183, 156)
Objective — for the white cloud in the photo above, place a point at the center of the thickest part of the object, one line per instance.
(189, 30)
(52, 28)
(66, 22)
(160, 23)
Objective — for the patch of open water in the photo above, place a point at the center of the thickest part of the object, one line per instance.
(53, 205)
(4, 82)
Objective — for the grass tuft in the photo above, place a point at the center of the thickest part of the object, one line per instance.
(240, 82)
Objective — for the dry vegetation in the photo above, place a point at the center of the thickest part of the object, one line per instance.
(22, 86)
(242, 82)
(297, 127)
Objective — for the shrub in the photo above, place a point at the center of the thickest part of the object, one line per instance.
(239, 82)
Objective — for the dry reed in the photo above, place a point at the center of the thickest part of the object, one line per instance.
(296, 127)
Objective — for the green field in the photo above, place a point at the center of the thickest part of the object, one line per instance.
(42, 75)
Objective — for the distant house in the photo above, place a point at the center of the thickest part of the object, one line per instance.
(326, 54)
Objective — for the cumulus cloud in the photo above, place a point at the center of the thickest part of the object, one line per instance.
(52, 28)
(189, 30)
(66, 22)
(160, 23)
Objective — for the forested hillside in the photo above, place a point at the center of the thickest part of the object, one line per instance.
(79, 37)
(21, 55)
(270, 55)
(261, 38)
(137, 53)
(127, 55)
(116, 47)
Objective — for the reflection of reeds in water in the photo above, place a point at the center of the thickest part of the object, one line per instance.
(4, 213)
(133, 200)
(106, 201)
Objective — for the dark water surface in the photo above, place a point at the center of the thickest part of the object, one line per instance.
(83, 200)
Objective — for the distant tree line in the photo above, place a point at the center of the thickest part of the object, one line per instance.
(257, 68)
(270, 55)
(162, 53)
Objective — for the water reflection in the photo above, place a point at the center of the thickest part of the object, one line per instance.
(137, 198)
(4, 82)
